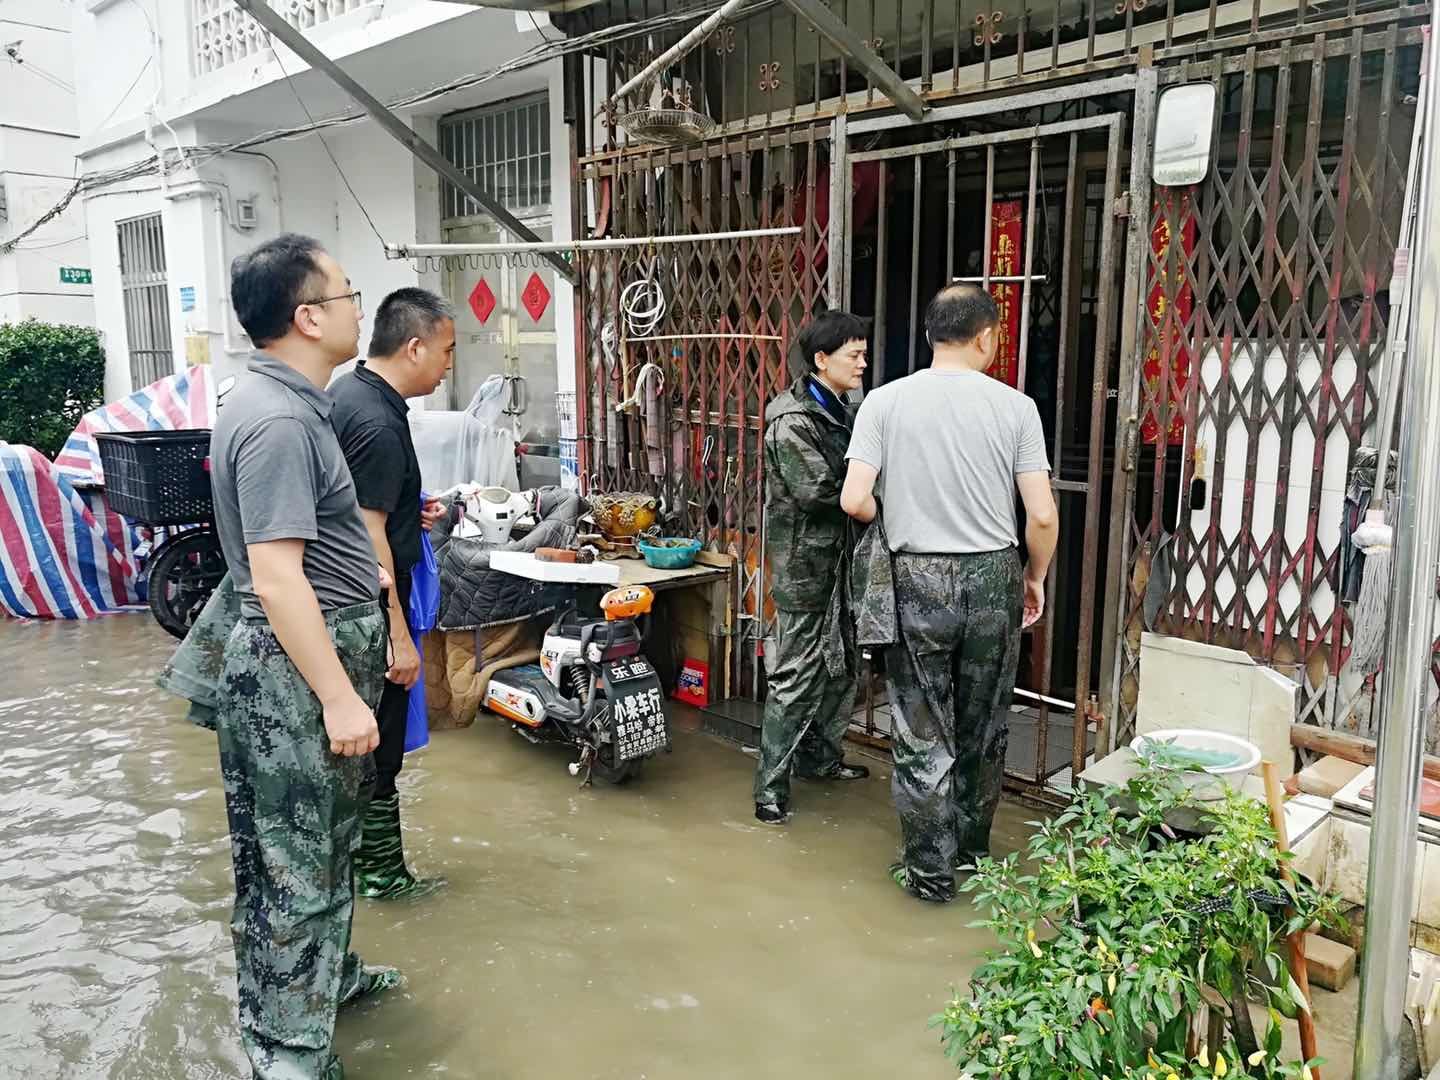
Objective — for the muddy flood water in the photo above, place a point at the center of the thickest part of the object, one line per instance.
(651, 931)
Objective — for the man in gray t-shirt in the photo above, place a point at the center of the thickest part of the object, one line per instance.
(949, 446)
(279, 474)
(303, 670)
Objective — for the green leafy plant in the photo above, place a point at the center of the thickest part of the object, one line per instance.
(1118, 934)
(50, 376)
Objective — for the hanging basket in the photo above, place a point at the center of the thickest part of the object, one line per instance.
(669, 127)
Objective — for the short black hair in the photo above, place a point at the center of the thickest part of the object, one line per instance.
(960, 313)
(269, 283)
(829, 332)
(404, 314)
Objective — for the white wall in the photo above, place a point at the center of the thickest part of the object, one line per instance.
(38, 136)
(119, 72)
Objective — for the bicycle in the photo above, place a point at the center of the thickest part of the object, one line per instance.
(161, 480)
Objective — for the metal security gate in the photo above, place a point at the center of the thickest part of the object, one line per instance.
(504, 305)
(1261, 321)
(723, 344)
(505, 324)
(1027, 212)
(1255, 336)
(143, 287)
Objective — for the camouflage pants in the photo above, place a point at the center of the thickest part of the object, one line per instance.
(294, 810)
(807, 709)
(951, 678)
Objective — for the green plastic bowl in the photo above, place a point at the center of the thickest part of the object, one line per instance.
(670, 558)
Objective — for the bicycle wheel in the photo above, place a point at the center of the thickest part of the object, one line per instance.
(182, 577)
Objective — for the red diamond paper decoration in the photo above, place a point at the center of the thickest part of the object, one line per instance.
(536, 297)
(482, 300)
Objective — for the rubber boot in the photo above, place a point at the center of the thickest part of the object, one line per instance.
(380, 870)
(359, 981)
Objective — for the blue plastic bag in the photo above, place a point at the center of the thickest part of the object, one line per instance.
(424, 610)
(424, 585)
(417, 718)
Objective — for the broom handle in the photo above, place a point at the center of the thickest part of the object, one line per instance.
(1391, 397)
(1298, 967)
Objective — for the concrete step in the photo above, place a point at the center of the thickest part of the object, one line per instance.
(1327, 776)
(1331, 965)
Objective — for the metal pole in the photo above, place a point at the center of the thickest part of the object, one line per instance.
(410, 251)
(1409, 641)
(678, 50)
(296, 42)
(852, 45)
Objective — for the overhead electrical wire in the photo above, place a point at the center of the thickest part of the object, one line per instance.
(128, 91)
(134, 171)
(328, 153)
(34, 69)
(538, 54)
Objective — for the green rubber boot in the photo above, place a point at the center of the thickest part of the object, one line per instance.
(380, 870)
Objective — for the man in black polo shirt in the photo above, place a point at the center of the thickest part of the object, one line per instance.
(411, 350)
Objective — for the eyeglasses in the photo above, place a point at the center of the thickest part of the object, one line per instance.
(352, 296)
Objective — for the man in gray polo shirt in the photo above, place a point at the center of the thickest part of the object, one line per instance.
(303, 669)
(950, 446)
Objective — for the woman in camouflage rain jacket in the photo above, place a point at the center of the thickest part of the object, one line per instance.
(807, 540)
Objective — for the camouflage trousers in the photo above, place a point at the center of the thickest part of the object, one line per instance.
(951, 678)
(294, 810)
(807, 709)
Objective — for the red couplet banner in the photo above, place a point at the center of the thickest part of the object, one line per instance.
(1005, 262)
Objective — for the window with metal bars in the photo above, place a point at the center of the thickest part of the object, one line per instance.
(505, 149)
(143, 284)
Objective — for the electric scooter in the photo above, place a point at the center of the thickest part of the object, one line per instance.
(593, 689)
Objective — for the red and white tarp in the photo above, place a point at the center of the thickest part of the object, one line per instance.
(63, 553)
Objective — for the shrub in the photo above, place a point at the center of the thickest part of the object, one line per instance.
(1118, 936)
(50, 376)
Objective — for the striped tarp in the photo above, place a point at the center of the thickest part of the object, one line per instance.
(179, 401)
(63, 553)
(57, 559)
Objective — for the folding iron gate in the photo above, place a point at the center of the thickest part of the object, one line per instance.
(723, 343)
(1029, 213)
(1261, 308)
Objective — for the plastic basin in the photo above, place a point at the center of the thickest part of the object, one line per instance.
(679, 557)
(1244, 754)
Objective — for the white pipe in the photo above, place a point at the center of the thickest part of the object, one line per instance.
(703, 337)
(1056, 702)
(679, 49)
(1004, 279)
(410, 251)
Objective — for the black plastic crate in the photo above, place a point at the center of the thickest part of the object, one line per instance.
(158, 477)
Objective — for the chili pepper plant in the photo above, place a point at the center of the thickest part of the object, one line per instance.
(1132, 952)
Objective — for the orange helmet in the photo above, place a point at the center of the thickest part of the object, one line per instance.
(627, 602)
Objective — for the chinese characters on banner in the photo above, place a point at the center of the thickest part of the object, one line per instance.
(1170, 334)
(1005, 262)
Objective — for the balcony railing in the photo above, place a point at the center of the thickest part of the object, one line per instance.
(225, 34)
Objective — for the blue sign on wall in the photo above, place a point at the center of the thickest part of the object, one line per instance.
(187, 297)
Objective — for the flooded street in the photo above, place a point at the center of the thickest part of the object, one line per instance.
(642, 932)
